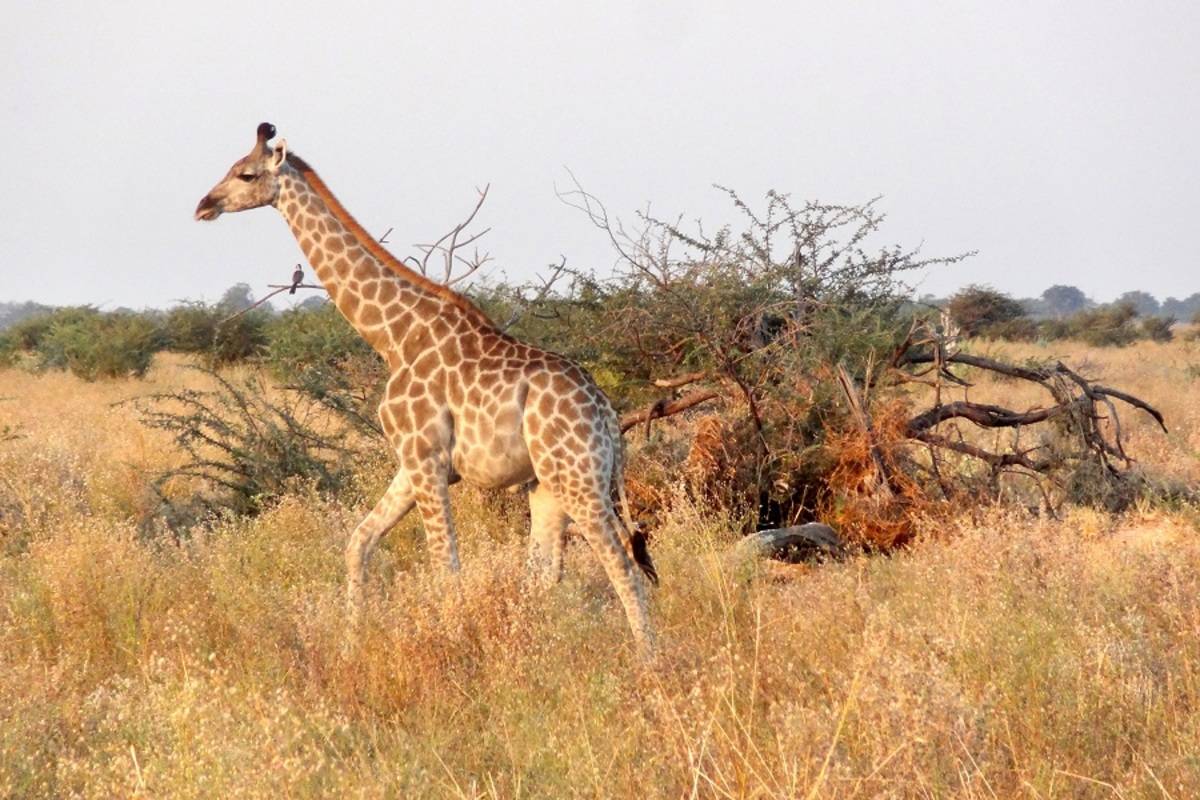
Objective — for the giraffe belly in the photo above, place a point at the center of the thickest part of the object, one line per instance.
(503, 461)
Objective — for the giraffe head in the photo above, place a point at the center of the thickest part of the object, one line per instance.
(251, 182)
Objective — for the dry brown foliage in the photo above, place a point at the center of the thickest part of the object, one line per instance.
(877, 511)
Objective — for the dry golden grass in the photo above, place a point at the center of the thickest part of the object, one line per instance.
(1008, 657)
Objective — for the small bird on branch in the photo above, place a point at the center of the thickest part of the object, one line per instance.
(297, 279)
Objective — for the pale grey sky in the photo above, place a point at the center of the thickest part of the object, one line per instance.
(1058, 139)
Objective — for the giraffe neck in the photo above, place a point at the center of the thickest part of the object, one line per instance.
(377, 294)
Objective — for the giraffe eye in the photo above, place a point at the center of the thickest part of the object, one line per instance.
(247, 176)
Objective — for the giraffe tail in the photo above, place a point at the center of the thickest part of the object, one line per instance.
(638, 545)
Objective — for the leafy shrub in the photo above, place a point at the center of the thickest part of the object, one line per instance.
(1158, 329)
(317, 352)
(240, 338)
(979, 309)
(1021, 329)
(9, 353)
(760, 319)
(28, 333)
(219, 335)
(93, 345)
(191, 327)
(1054, 329)
(1111, 325)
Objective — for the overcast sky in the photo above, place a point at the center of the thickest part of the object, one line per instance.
(1057, 139)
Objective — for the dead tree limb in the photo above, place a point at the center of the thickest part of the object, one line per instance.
(985, 416)
(1083, 405)
(680, 380)
(449, 244)
(666, 409)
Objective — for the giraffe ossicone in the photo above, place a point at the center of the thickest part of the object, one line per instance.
(464, 400)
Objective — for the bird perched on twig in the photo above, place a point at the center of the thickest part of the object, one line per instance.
(297, 279)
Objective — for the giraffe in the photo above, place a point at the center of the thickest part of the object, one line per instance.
(463, 400)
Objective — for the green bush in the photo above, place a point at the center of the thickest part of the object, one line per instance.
(8, 353)
(1053, 329)
(978, 309)
(1021, 329)
(28, 334)
(93, 345)
(216, 333)
(315, 351)
(1106, 326)
(191, 327)
(1158, 329)
(240, 338)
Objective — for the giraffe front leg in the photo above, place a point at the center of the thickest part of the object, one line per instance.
(432, 493)
(390, 509)
(547, 534)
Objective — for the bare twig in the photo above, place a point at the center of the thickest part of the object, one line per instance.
(545, 285)
(279, 289)
(449, 244)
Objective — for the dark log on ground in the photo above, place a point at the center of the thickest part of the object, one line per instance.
(796, 544)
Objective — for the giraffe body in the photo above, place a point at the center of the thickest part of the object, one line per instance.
(464, 400)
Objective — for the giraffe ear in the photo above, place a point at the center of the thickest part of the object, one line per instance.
(279, 156)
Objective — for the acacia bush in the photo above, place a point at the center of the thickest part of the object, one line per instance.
(27, 334)
(1112, 325)
(794, 340)
(1021, 329)
(247, 444)
(191, 327)
(1158, 329)
(758, 321)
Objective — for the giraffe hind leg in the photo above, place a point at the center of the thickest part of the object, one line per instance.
(598, 523)
(547, 534)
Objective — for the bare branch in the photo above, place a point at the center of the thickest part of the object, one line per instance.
(449, 243)
(996, 460)
(666, 409)
(681, 380)
(526, 306)
(985, 416)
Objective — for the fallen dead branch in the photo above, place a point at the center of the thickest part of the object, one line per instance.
(1080, 406)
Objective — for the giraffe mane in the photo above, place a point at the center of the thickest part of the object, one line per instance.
(372, 246)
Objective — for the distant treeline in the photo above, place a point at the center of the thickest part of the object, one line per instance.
(1059, 302)
(95, 344)
(98, 344)
(1065, 312)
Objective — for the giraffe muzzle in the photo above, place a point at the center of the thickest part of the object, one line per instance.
(208, 209)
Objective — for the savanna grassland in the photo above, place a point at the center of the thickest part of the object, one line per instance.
(1002, 655)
